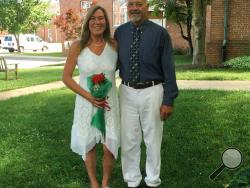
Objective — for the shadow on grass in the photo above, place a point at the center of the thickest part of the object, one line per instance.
(35, 143)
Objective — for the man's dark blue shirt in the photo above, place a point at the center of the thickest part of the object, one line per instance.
(155, 56)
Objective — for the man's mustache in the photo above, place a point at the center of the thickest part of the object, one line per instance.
(135, 12)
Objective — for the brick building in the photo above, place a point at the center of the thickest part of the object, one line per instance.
(238, 38)
(238, 30)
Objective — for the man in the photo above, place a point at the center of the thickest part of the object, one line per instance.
(147, 92)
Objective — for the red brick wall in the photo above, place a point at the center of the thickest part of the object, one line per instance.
(239, 20)
(56, 35)
(238, 30)
(175, 33)
(2, 33)
(67, 4)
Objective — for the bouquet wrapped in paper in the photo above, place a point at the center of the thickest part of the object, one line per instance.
(99, 87)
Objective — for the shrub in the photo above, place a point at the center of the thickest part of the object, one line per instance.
(239, 62)
(179, 51)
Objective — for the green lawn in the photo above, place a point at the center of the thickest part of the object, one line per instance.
(184, 72)
(35, 139)
(51, 54)
(29, 77)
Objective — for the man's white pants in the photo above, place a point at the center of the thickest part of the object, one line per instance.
(140, 115)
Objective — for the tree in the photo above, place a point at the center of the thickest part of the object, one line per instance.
(178, 11)
(36, 19)
(21, 16)
(193, 14)
(199, 31)
(69, 23)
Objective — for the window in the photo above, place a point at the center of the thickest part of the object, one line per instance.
(119, 12)
(50, 35)
(8, 38)
(85, 4)
(38, 39)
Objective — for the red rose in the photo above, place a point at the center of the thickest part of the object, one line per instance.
(98, 78)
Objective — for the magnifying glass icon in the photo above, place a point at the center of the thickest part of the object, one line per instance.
(231, 158)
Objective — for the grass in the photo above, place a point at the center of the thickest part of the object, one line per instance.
(51, 54)
(29, 77)
(184, 71)
(35, 139)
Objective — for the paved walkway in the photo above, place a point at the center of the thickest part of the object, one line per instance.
(182, 84)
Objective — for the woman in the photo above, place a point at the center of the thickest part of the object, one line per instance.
(94, 53)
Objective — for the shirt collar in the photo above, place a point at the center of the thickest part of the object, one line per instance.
(142, 26)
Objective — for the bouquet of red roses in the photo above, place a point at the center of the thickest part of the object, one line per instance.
(99, 87)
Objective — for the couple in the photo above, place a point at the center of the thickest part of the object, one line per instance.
(143, 52)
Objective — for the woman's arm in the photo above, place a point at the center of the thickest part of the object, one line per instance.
(68, 80)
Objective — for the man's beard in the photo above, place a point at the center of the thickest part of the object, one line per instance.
(135, 16)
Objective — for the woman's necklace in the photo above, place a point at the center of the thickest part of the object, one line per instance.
(99, 43)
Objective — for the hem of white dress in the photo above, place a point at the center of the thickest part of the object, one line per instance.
(109, 143)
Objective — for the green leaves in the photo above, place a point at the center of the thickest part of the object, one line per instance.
(173, 10)
(38, 16)
(23, 16)
(239, 62)
(69, 23)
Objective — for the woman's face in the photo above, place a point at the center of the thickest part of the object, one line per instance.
(97, 23)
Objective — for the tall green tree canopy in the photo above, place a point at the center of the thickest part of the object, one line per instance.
(39, 16)
(21, 16)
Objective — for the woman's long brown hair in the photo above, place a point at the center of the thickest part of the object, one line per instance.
(85, 36)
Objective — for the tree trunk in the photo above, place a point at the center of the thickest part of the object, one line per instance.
(188, 38)
(189, 26)
(17, 42)
(199, 31)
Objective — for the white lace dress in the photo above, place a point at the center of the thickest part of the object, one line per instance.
(83, 136)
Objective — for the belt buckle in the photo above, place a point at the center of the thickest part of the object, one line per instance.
(139, 83)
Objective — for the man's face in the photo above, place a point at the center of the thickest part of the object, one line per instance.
(137, 10)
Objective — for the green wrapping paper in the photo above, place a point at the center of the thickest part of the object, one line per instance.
(99, 89)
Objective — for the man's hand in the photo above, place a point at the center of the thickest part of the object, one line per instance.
(166, 111)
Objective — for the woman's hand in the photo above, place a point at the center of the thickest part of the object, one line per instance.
(97, 102)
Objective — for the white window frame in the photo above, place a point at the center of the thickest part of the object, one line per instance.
(85, 4)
